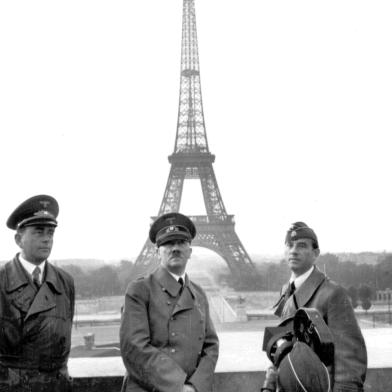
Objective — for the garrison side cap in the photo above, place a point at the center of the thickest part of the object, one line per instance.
(172, 226)
(300, 230)
(37, 210)
(302, 370)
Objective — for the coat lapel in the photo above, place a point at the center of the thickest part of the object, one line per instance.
(43, 301)
(303, 295)
(27, 299)
(167, 282)
(186, 300)
(282, 300)
(46, 296)
(172, 287)
(16, 276)
(18, 286)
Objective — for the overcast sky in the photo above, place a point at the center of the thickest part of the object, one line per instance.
(297, 101)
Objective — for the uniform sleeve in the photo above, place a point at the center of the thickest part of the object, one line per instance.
(349, 345)
(146, 364)
(202, 378)
(72, 298)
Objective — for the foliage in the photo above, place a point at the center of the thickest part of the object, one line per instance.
(362, 280)
(366, 304)
(124, 272)
(100, 282)
(365, 293)
(353, 294)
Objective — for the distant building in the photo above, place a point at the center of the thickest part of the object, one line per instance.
(384, 295)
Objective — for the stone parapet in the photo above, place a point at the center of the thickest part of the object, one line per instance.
(378, 380)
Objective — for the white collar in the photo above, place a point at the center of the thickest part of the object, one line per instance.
(29, 267)
(176, 277)
(299, 280)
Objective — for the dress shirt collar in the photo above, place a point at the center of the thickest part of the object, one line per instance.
(29, 267)
(299, 280)
(176, 277)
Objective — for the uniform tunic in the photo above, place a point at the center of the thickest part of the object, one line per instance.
(167, 338)
(331, 300)
(35, 329)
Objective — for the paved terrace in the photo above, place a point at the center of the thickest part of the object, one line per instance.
(240, 366)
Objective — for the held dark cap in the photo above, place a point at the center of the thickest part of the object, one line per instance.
(172, 226)
(302, 370)
(301, 230)
(37, 210)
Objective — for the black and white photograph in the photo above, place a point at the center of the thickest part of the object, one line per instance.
(196, 196)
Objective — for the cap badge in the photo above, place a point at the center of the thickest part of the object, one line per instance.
(171, 228)
(293, 233)
(41, 213)
(44, 203)
(171, 220)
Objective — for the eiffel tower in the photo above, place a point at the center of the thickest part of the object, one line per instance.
(192, 159)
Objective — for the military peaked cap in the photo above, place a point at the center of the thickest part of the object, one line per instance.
(172, 226)
(300, 230)
(37, 210)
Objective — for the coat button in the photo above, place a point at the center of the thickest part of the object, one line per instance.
(173, 350)
(173, 334)
(168, 302)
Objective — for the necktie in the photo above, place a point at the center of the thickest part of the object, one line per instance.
(181, 282)
(36, 279)
(284, 298)
(292, 288)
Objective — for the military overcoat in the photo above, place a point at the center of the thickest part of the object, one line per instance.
(331, 300)
(35, 325)
(167, 337)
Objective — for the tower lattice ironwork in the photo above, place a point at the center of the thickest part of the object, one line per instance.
(192, 159)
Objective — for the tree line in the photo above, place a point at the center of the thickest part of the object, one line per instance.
(112, 280)
(272, 275)
(104, 281)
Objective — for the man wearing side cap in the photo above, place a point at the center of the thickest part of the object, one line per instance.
(36, 305)
(168, 342)
(308, 287)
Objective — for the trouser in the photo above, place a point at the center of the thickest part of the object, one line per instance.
(32, 380)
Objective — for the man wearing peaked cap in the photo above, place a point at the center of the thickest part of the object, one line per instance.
(172, 226)
(308, 287)
(167, 339)
(37, 209)
(38, 301)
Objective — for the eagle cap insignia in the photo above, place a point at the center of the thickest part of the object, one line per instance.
(170, 220)
(44, 203)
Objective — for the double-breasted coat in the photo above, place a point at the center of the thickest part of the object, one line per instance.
(35, 326)
(331, 300)
(167, 337)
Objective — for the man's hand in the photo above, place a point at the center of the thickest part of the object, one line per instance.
(188, 388)
(271, 377)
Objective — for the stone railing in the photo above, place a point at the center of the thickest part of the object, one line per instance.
(378, 380)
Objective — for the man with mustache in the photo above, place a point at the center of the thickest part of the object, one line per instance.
(36, 305)
(308, 287)
(167, 339)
